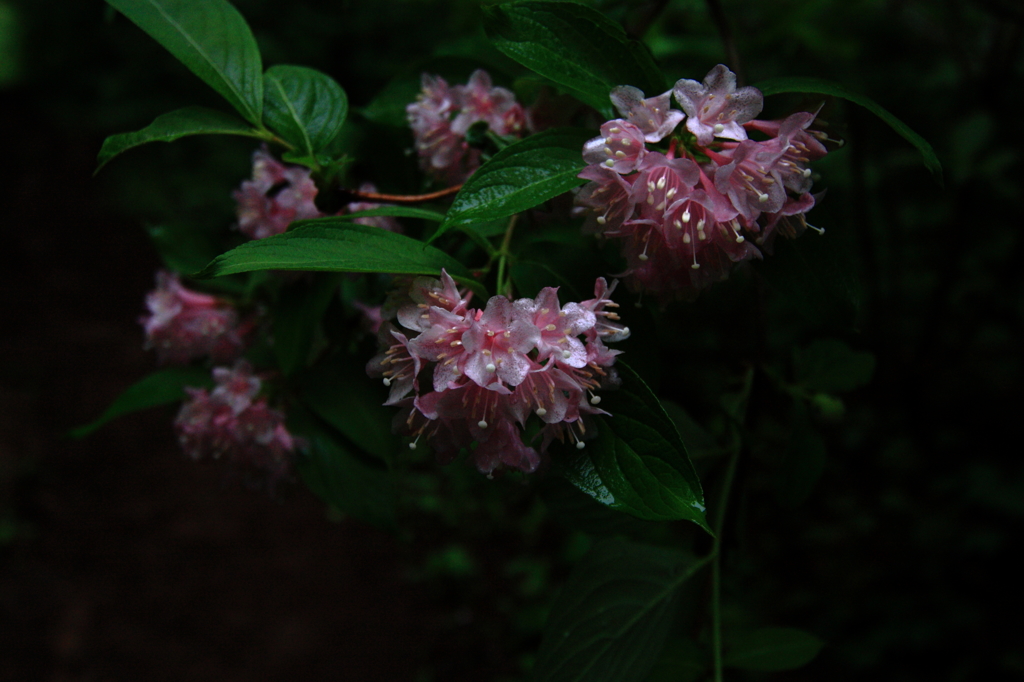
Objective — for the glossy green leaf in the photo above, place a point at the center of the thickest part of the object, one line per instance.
(338, 245)
(211, 38)
(339, 392)
(831, 366)
(175, 125)
(821, 86)
(637, 463)
(337, 477)
(160, 388)
(771, 649)
(304, 106)
(574, 46)
(520, 176)
(395, 212)
(611, 618)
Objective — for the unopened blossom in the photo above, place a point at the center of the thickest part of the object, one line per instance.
(232, 422)
(276, 196)
(687, 205)
(384, 222)
(470, 379)
(442, 115)
(185, 325)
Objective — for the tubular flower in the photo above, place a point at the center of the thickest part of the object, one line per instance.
(184, 325)
(231, 421)
(276, 196)
(704, 199)
(442, 114)
(492, 369)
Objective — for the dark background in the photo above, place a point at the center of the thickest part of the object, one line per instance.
(122, 560)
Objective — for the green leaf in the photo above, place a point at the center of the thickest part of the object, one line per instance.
(337, 245)
(520, 176)
(831, 366)
(574, 46)
(771, 649)
(775, 86)
(396, 212)
(299, 310)
(339, 392)
(339, 478)
(637, 463)
(611, 618)
(160, 388)
(175, 125)
(304, 106)
(183, 246)
(212, 39)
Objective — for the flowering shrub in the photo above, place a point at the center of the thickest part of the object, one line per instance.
(523, 387)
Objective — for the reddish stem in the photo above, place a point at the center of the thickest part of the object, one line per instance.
(403, 198)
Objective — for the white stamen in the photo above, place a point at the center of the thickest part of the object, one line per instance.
(387, 382)
(642, 256)
(608, 151)
(609, 163)
(490, 367)
(686, 238)
(819, 230)
(566, 354)
(580, 445)
(686, 215)
(541, 412)
(595, 400)
(620, 154)
(614, 130)
(719, 128)
(761, 197)
(661, 182)
(482, 424)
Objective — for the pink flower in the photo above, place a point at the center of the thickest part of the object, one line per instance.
(276, 196)
(715, 108)
(384, 222)
(620, 147)
(493, 369)
(184, 325)
(231, 421)
(441, 116)
(654, 115)
(688, 210)
(481, 101)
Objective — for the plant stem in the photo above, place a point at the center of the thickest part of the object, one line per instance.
(716, 564)
(503, 287)
(732, 55)
(403, 198)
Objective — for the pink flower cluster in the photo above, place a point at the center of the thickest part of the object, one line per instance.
(487, 371)
(231, 421)
(276, 196)
(689, 209)
(441, 115)
(184, 325)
